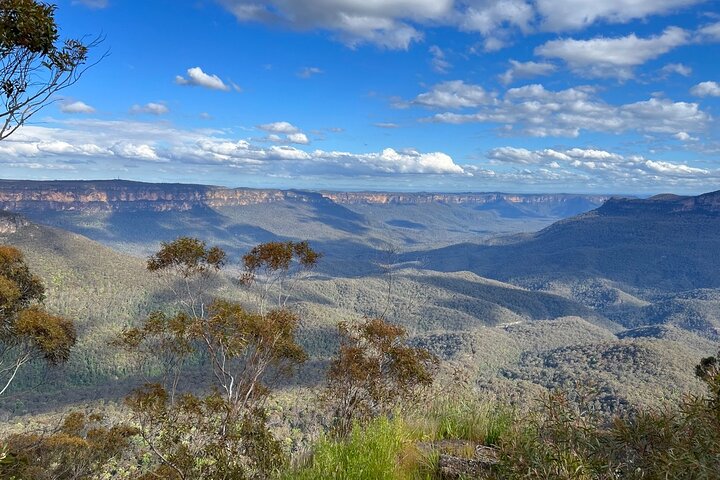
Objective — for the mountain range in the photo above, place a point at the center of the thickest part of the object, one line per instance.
(525, 292)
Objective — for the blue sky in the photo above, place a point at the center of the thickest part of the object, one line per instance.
(619, 96)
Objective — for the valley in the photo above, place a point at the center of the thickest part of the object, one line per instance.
(524, 293)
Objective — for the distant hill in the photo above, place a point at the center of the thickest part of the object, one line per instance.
(352, 229)
(665, 243)
(27, 196)
(599, 296)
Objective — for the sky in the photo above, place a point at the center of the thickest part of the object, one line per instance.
(612, 96)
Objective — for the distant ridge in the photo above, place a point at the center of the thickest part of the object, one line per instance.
(124, 195)
(667, 242)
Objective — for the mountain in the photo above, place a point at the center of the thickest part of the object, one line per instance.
(104, 290)
(119, 195)
(596, 296)
(665, 243)
(354, 230)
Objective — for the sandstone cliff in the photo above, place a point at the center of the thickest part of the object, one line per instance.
(118, 195)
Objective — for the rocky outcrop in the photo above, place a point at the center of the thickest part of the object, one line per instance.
(455, 198)
(22, 196)
(118, 195)
(708, 203)
(459, 459)
(10, 224)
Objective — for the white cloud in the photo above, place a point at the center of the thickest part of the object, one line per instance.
(525, 70)
(559, 15)
(601, 164)
(384, 23)
(677, 68)
(108, 143)
(151, 108)
(196, 77)
(709, 32)
(299, 138)
(308, 72)
(454, 94)
(536, 111)
(76, 107)
(438, 61)
(391, 161)
(279, 127)
(520, 156)
(706, 89)
(674, 168)
(685, 137)
(134, 151)
(386, 125)
(490, 17)
(396, 24)
(612, 57)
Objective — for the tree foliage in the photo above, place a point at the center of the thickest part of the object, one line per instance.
(76, 449)
(223, 434)
(374, 370)
(34, 63)
(27, 331)
(270, 265)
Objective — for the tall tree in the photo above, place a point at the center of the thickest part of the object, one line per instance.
(35, 63)
(223, 434)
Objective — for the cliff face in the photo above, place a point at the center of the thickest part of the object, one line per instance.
(11, 223)
(455, 198)
(21, 196)
(96, 196)
(708, 203)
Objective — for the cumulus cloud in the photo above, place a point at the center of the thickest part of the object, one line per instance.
(147, 143)
(391, 161)
(454, 94)
(299, 138)
(492, 18)
(197, 78)
(525, 70)
(383, 23)
(151, 108)
(536, 111)
(676, 68)
(685, 137)
(559, 15)
(279, 127)
(76, 107)
(706, 89)
(396, 24)
(613, 57)
(709, 32)
(597, 164)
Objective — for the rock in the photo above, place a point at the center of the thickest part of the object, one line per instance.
(462, 459)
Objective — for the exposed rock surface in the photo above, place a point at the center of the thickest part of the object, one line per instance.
(120, 195)
(11, 223)
(460, 459)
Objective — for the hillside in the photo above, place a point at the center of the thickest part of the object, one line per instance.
(489, 327)
(664, 243)
(355, 231)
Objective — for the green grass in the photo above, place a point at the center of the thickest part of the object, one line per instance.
(382, 450)
(465, 418)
